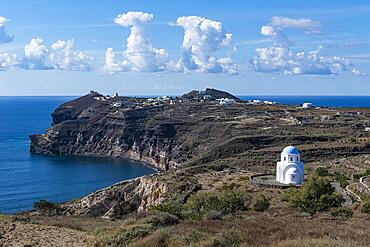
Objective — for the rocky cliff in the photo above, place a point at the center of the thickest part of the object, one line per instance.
(190, 137)
(129, 196)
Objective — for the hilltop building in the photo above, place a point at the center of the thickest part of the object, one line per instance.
(307, 105)
(290, 169)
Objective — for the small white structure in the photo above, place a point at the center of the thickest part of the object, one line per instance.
(226, 101)
(307, 105)
(290, 170)
(207, 97)
(367, 129)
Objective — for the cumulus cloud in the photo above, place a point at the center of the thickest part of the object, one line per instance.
(140, 55)
(61, 56)
(36, 56)
(4, 36)
(111, 65)
(280, 58)
(358, 72)
(278, 36)
(65, 57)
(7, 61)
(202, 39)
(308, 25)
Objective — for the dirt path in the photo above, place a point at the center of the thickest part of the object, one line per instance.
(16, 233)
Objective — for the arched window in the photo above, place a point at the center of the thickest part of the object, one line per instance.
(284, 158)
(291, 158)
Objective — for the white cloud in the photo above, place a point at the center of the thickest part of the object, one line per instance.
(61, 56)
(282, 60)
(36, 56)
(66, 57)
(279, 58)
(308, 25)
(278, 36)
(7, 61)
(110, 62)
(358, 72)
(140, 55)
(202, 39)
(4, 36)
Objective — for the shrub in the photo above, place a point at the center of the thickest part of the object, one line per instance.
(173, 208)
(161, 220)
(213, 215)
(124, 235)
(318, 242)
(200, 204)
(194, 236)
(260, 203)
(358, 176)
(366, 208)
(322, 171)
(47, 207)
(342, 213)
(226, 239)
(342, 180)
(315, 195)
(160, 238)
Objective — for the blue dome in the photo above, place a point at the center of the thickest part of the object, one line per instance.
(290, 150)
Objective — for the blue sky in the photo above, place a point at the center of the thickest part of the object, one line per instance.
(333, 36)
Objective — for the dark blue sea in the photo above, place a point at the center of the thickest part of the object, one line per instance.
(323, 101)
(26, 178)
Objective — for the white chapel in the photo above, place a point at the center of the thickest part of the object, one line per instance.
(290, 169)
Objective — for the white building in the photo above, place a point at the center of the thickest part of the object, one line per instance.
(226, 101)
(307, 105)
(290, 170)
(367, 129)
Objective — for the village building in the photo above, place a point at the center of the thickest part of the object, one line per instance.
(307, 105)
(226, 101)
(290, 169)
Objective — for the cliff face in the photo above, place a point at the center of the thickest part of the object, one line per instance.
(132, 196)
(92, 127)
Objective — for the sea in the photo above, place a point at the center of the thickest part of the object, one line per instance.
(321, 101)
(26, 178)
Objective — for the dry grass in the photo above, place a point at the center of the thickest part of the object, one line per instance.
(320, 242)
(278, 227)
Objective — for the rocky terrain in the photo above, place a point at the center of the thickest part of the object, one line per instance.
(188, 136)
(16, 233)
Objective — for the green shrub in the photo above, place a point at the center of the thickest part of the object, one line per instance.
(161, 220)
(358, 176)
(213, 215)
(160, 238)
(194, 236)
(366, 208)
(226, 239)
(173, 208)
(315, 195)
(200, 204)
(342, 180)
(124, 235)
(47, 207)
(231, 201)
(260, 203)
(342, 213)
(322, 171)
